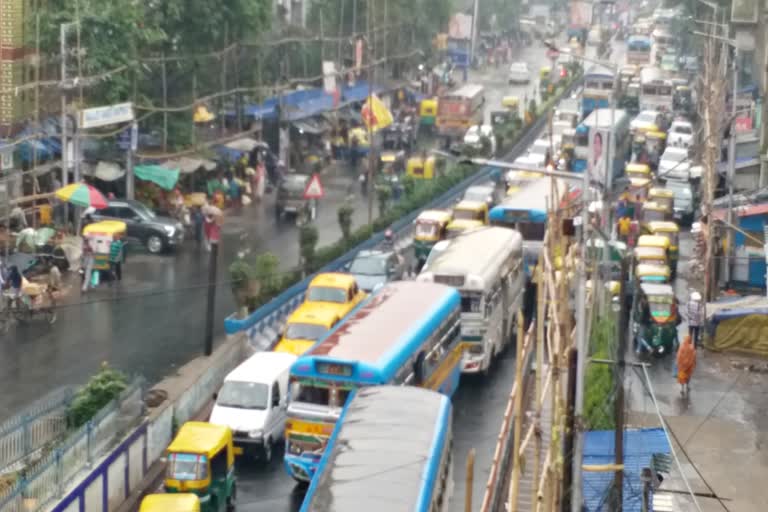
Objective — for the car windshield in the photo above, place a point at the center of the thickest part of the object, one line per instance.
(467, 215)
(143, 210)
(479, 194)
(369, 266)
(426, 229)
(187, 466)
(674, 156)
(327, 294)
(646, 117)
(301, 331)
(243, 395)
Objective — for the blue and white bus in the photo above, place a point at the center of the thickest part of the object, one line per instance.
(406, 333)
(597, 91)
(391, 448)
(525, 210)
(638, 50)
(619, 136)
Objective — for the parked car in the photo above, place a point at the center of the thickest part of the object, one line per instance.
(155, 232)
(685, 200)
(374, 268)
(475, 134)
(675, 164)
(290, 197)
(519, 73)
(680, 134)
(647, 120)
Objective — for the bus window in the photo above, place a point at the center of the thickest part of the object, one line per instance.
(311, 394)
(470, 302)
(532, 230)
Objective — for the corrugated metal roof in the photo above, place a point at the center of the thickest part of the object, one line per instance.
(639, 447)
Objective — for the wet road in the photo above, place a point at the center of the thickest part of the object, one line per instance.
(478, 404)
(154, 321)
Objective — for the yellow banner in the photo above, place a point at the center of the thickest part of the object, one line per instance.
(375, 114)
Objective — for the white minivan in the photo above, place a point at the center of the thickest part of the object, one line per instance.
(252, 402)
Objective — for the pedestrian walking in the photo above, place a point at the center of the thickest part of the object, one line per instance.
(695, 317)
(86, 264)
(686, 363)
(116, 258)
(625, 226)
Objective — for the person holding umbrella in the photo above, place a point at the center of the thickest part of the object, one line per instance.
(211, 225)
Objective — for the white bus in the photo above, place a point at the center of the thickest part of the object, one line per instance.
(656, 90)
(486, 266)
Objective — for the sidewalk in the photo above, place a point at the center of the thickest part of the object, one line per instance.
(720, 432)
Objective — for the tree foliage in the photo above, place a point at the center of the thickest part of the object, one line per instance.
(103, 387)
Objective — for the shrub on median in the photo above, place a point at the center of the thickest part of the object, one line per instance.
(103, 387)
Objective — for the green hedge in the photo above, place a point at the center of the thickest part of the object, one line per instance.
(599, 382)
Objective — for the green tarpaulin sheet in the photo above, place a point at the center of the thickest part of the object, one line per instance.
(161, 176)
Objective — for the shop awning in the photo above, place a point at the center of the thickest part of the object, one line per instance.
(163, 177)
(235, 149)
(187, 165)
(107, 171)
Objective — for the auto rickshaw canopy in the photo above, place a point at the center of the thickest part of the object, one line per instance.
(435, 216)
(653, 241)
(545, 72)
(653, 206)
(650, 253)
(105, 228)
(652, 272)
(510, 102)
(428, 107)
(201, 438)
(639, 170)
(655, 135)
(663, 226)
(661, 192)
(461, 225)
(172, 502)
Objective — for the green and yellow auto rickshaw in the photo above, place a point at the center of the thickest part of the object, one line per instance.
(201, 460)
(655, 319)
(670, 231)
(429, 228)
(428, 112)
(184, 502)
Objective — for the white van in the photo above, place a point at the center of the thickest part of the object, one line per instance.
(252, 401)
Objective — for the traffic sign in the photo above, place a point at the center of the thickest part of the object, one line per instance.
(314, 188)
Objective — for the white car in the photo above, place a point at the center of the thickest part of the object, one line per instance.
(519, 73)
(675, 164)
(538, 152)
(647, 120)
(680, 134)
(475, 134)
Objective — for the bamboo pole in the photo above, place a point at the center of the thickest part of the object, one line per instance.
(514, 486)
(469, 481)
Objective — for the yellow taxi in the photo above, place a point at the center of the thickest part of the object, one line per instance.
(307, 324)
(336, 291)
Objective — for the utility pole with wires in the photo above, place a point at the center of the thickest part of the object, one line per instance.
(369, 6)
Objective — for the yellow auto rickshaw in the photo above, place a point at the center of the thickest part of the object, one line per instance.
(429, 228)
(648, 273)
(638, 170)
(651, 255)
(458, 226)
(471, 210)
(428, 112)
(100, 236)
(670, 231)
(662, 196)
(201, 460)
(658, 242)
(652, 211)
(421, 169)
(183, 502)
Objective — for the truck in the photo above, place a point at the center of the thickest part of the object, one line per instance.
(580, 20)
(459, 109)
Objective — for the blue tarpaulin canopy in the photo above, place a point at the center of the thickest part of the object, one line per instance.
(640, 448)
